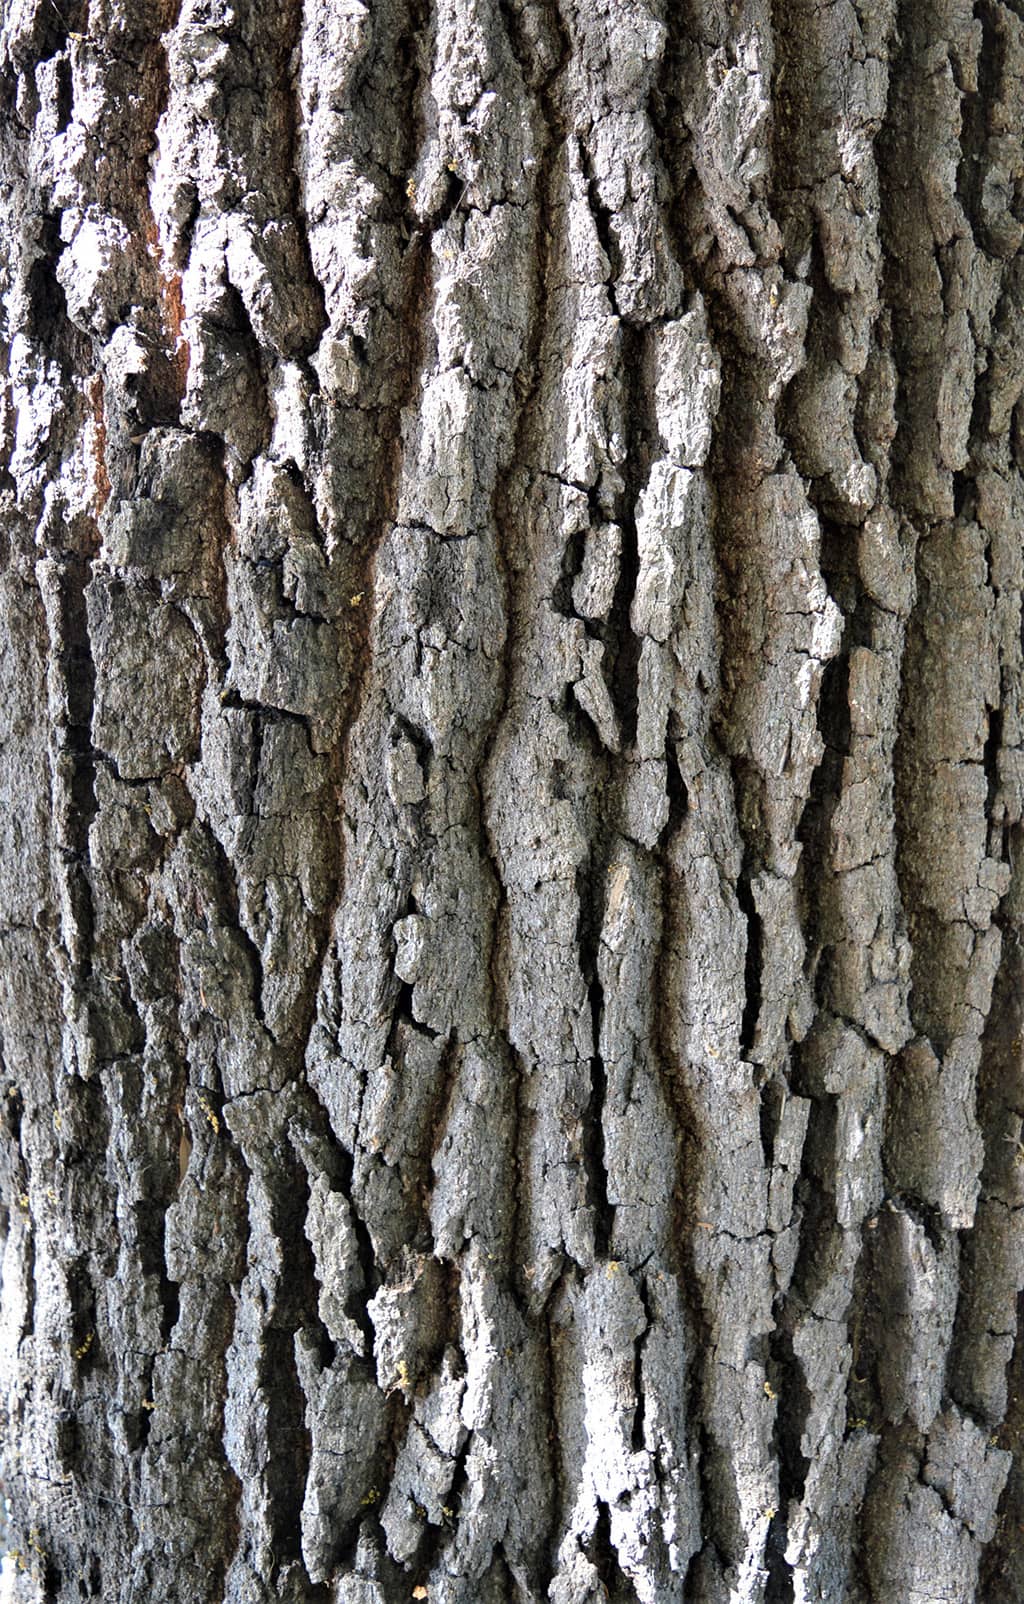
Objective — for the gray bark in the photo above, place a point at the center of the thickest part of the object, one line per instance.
(512, 763)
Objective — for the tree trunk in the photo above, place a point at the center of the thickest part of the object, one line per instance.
(512, 764)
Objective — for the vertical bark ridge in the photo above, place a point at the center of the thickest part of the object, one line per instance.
(991, 1248)
(830, 88)
(942, 332)
(439, 625)
(585, 516)
(760, 337)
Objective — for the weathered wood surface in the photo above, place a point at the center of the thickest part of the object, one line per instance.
(512, 766)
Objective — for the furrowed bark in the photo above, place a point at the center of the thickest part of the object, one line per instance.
(511, 756)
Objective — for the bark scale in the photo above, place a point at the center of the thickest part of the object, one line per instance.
(512, 757)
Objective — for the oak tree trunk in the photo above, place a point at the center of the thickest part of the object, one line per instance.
(512, 767)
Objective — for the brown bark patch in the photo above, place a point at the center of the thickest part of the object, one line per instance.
(98, 444)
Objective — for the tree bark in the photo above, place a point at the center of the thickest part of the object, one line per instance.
(512, 761)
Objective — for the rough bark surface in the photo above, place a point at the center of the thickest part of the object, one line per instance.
(512, 767)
